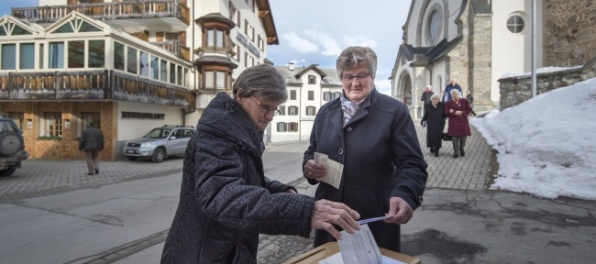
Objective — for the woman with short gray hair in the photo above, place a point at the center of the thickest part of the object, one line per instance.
(435, 120)
(225, 200)
(373, 136)
(458, 109)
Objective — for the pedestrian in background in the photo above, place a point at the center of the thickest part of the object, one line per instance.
(92, 142)
(225, 200)
(374, 138)
(426, 95)
(434, 120)
(458, 128)
(453, 85)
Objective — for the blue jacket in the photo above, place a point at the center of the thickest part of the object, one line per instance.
(381, 156)
(448, 89)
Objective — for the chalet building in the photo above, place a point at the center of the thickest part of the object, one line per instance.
(477, 42)
(129, 66)
(308, 89)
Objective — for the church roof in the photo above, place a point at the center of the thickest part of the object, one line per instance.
(422, 56)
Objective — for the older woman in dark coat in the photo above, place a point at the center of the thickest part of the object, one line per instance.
(225, 199)
(373, 136)
(458, 109)
(434, 119)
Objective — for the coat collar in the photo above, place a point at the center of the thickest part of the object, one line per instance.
(336, 115)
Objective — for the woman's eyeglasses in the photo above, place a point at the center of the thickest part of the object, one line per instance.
(264, 109)
(350, 78)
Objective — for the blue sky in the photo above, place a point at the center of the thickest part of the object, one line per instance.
(323, 28)
(316, 31)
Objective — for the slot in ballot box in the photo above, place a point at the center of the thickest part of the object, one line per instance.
(324, 251)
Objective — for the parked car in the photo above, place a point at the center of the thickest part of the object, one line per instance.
(12, 147)
(159, 143)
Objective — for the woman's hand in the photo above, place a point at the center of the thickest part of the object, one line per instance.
(458, 113)
(312, 170)
(326, 214)
(400, 211)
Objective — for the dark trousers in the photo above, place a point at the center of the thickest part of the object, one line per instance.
(92, 160)
(459, 143)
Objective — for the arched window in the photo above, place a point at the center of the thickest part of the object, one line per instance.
(435, 25)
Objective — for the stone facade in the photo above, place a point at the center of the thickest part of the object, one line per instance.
(516, 90)
(480, 56)
(569, 32)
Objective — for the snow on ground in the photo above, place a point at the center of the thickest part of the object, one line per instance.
(546, 145)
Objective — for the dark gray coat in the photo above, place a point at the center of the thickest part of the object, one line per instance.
(381, 156)
(91, 139)
(225, 199)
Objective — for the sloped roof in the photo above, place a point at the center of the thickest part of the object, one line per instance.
(329, 77)
(426, 55)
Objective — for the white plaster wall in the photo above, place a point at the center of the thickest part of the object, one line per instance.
(513, 52)
(130, 128)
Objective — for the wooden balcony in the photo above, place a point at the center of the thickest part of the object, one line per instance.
(130, 16)
(175, 48)
(91, 85)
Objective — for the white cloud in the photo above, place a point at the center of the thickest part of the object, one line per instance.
(300, 44)
(330, 45)
(360, 41)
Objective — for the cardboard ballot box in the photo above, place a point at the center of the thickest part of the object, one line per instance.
(324, 251)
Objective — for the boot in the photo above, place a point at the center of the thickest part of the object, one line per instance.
(462, 153)
(436, 152)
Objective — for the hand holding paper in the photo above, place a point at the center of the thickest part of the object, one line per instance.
(334, 170)
(326, 213)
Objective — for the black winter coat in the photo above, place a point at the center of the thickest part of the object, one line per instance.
(435, 124)
(91, 139)
(225, 199)
(381, 156)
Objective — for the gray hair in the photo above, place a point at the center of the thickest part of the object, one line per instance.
(455, 91)
(351, 56)
(435, 96)
(263, 81)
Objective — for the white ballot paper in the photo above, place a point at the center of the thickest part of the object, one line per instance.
(334, 169)
(359, 248)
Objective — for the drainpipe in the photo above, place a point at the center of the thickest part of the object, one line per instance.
(430, 82)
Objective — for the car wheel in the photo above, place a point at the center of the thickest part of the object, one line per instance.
(132, 158)
(7, 172)
(159, 155)
(10, 143)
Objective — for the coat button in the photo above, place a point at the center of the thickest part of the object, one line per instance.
(340, 151)
(349, 129)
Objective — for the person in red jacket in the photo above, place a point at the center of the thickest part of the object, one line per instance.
(457, 110)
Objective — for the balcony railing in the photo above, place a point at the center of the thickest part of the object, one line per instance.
(107, 11)
(92, 85)
(174, 47)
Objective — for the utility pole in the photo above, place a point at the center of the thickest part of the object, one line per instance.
(533, 48)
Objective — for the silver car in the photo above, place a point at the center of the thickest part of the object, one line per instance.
(159, 143)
